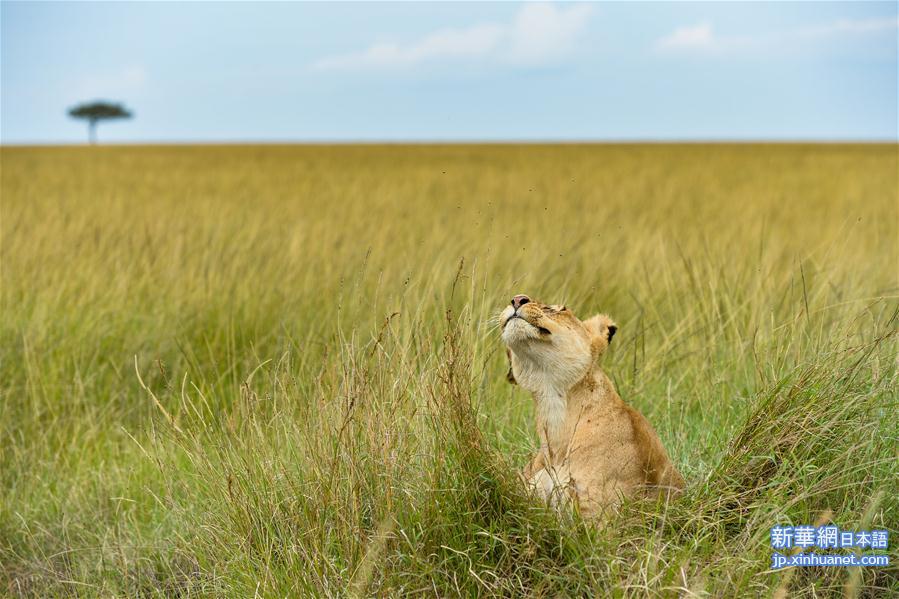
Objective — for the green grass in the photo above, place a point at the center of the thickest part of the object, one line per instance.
(228, 371)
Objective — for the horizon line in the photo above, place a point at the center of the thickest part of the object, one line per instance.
(460, 142)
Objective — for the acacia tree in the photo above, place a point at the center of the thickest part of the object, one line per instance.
(94, 112)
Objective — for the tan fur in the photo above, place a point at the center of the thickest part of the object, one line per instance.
(595, 448)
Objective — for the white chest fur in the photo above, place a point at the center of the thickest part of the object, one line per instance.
(551, 412)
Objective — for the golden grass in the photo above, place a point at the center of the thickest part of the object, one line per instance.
(287, 309)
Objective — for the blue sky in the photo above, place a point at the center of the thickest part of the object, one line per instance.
(218, 71)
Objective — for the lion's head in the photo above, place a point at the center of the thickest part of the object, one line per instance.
(549, 345)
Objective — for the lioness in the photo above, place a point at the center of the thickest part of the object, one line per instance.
(594, 448)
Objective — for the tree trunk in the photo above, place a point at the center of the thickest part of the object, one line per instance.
(92, 131)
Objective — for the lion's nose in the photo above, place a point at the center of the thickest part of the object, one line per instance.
(520, 300)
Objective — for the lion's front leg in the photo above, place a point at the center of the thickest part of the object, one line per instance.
(553, 485)
(536, 464)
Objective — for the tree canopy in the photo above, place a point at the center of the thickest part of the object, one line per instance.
(99, 110)
(94, 112)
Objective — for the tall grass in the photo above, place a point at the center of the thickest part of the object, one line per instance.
(229, 371)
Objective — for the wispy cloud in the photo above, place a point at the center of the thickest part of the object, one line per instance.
(702, 36)
(697, 36)
(852, 26)
(448, 43)
(537, 35)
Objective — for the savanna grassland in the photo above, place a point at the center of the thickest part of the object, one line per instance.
(275, 370)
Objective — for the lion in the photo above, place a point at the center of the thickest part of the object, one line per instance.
(594, 448)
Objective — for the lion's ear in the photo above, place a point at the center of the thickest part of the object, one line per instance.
(602, 329)
(509, 376)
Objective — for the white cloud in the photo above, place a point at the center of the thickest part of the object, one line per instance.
(697, 36)
(539, 34)
(702, 37)
(852, 26)
(453, 43)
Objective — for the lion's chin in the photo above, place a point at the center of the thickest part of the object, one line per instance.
(517, 331)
